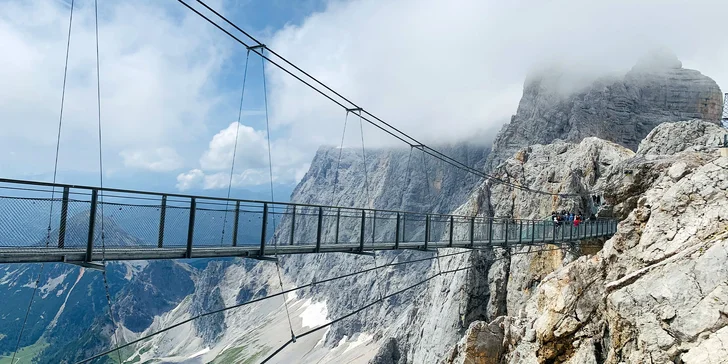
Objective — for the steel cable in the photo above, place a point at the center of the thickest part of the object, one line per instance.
(53, 192)
(235, 147)
(387, 127)
(101, 184)
(270, 172)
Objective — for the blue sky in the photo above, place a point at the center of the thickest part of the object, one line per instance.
(170, 82)
(223, 84)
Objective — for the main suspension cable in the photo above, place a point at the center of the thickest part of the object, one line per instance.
(281, 293)
(372, 119)
(362, 308)
(235, 147)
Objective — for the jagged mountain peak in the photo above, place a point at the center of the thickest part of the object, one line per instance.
(556, 104)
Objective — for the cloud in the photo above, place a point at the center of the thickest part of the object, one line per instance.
(189, 180)
(157, 84)
(251, 146)
(442, 70)
(163, 159)
(251, 161)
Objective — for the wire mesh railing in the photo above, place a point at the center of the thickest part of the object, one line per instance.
(41, 217)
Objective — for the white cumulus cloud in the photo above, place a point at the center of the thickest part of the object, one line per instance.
(443, 70)
(157, 66)
(251, 161)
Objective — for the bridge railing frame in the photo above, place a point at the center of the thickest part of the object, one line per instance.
(293, 224)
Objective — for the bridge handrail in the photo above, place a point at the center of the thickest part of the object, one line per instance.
(234, 200)
(190, 222)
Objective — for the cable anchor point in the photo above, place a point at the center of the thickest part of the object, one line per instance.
(354, 110)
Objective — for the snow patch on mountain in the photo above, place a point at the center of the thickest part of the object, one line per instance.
(314, 314)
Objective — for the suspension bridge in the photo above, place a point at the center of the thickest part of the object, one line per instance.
(47, 222)
(143, 225)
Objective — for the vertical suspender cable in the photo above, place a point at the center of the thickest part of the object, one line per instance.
(406, 181)
(101, 181)
(53, 191)
(270, 171)
(371, 204)
(235, 148)
(429, 197)
(338, 161)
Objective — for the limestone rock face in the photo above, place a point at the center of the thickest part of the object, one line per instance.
(619, 109)
(560, 168)
(657, 292)
(695, 135)
(418, 325)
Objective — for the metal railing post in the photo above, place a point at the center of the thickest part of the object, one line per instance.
(404, 228)
(571, 232)
(427, 230)
(591, 228)
(319, 228)
(338, 218)
(236, 223)
(162, 217)
(599, 223)
(533, 231)
(374, 225)
(361, 232)
(293, 225)
(64, 219)
(472, 231)
(490, 231)
(452, 225)
(191, 227)
(506, 230)
(396, 233)
(264, 227)
(91, 225)
(553, 236)
(520, 232)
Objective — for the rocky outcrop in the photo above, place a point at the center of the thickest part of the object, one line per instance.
(396, 178)
(658, 290)
(619, 109)
(566, 170)
(695, 135)
(207, 298)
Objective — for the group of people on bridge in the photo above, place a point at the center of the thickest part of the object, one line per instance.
(565, 217)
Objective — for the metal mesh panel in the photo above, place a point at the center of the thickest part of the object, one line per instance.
(176, 224)
(24, 222)
(144, 221)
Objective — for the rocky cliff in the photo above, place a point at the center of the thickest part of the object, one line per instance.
(658, 290)
(620, 109)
